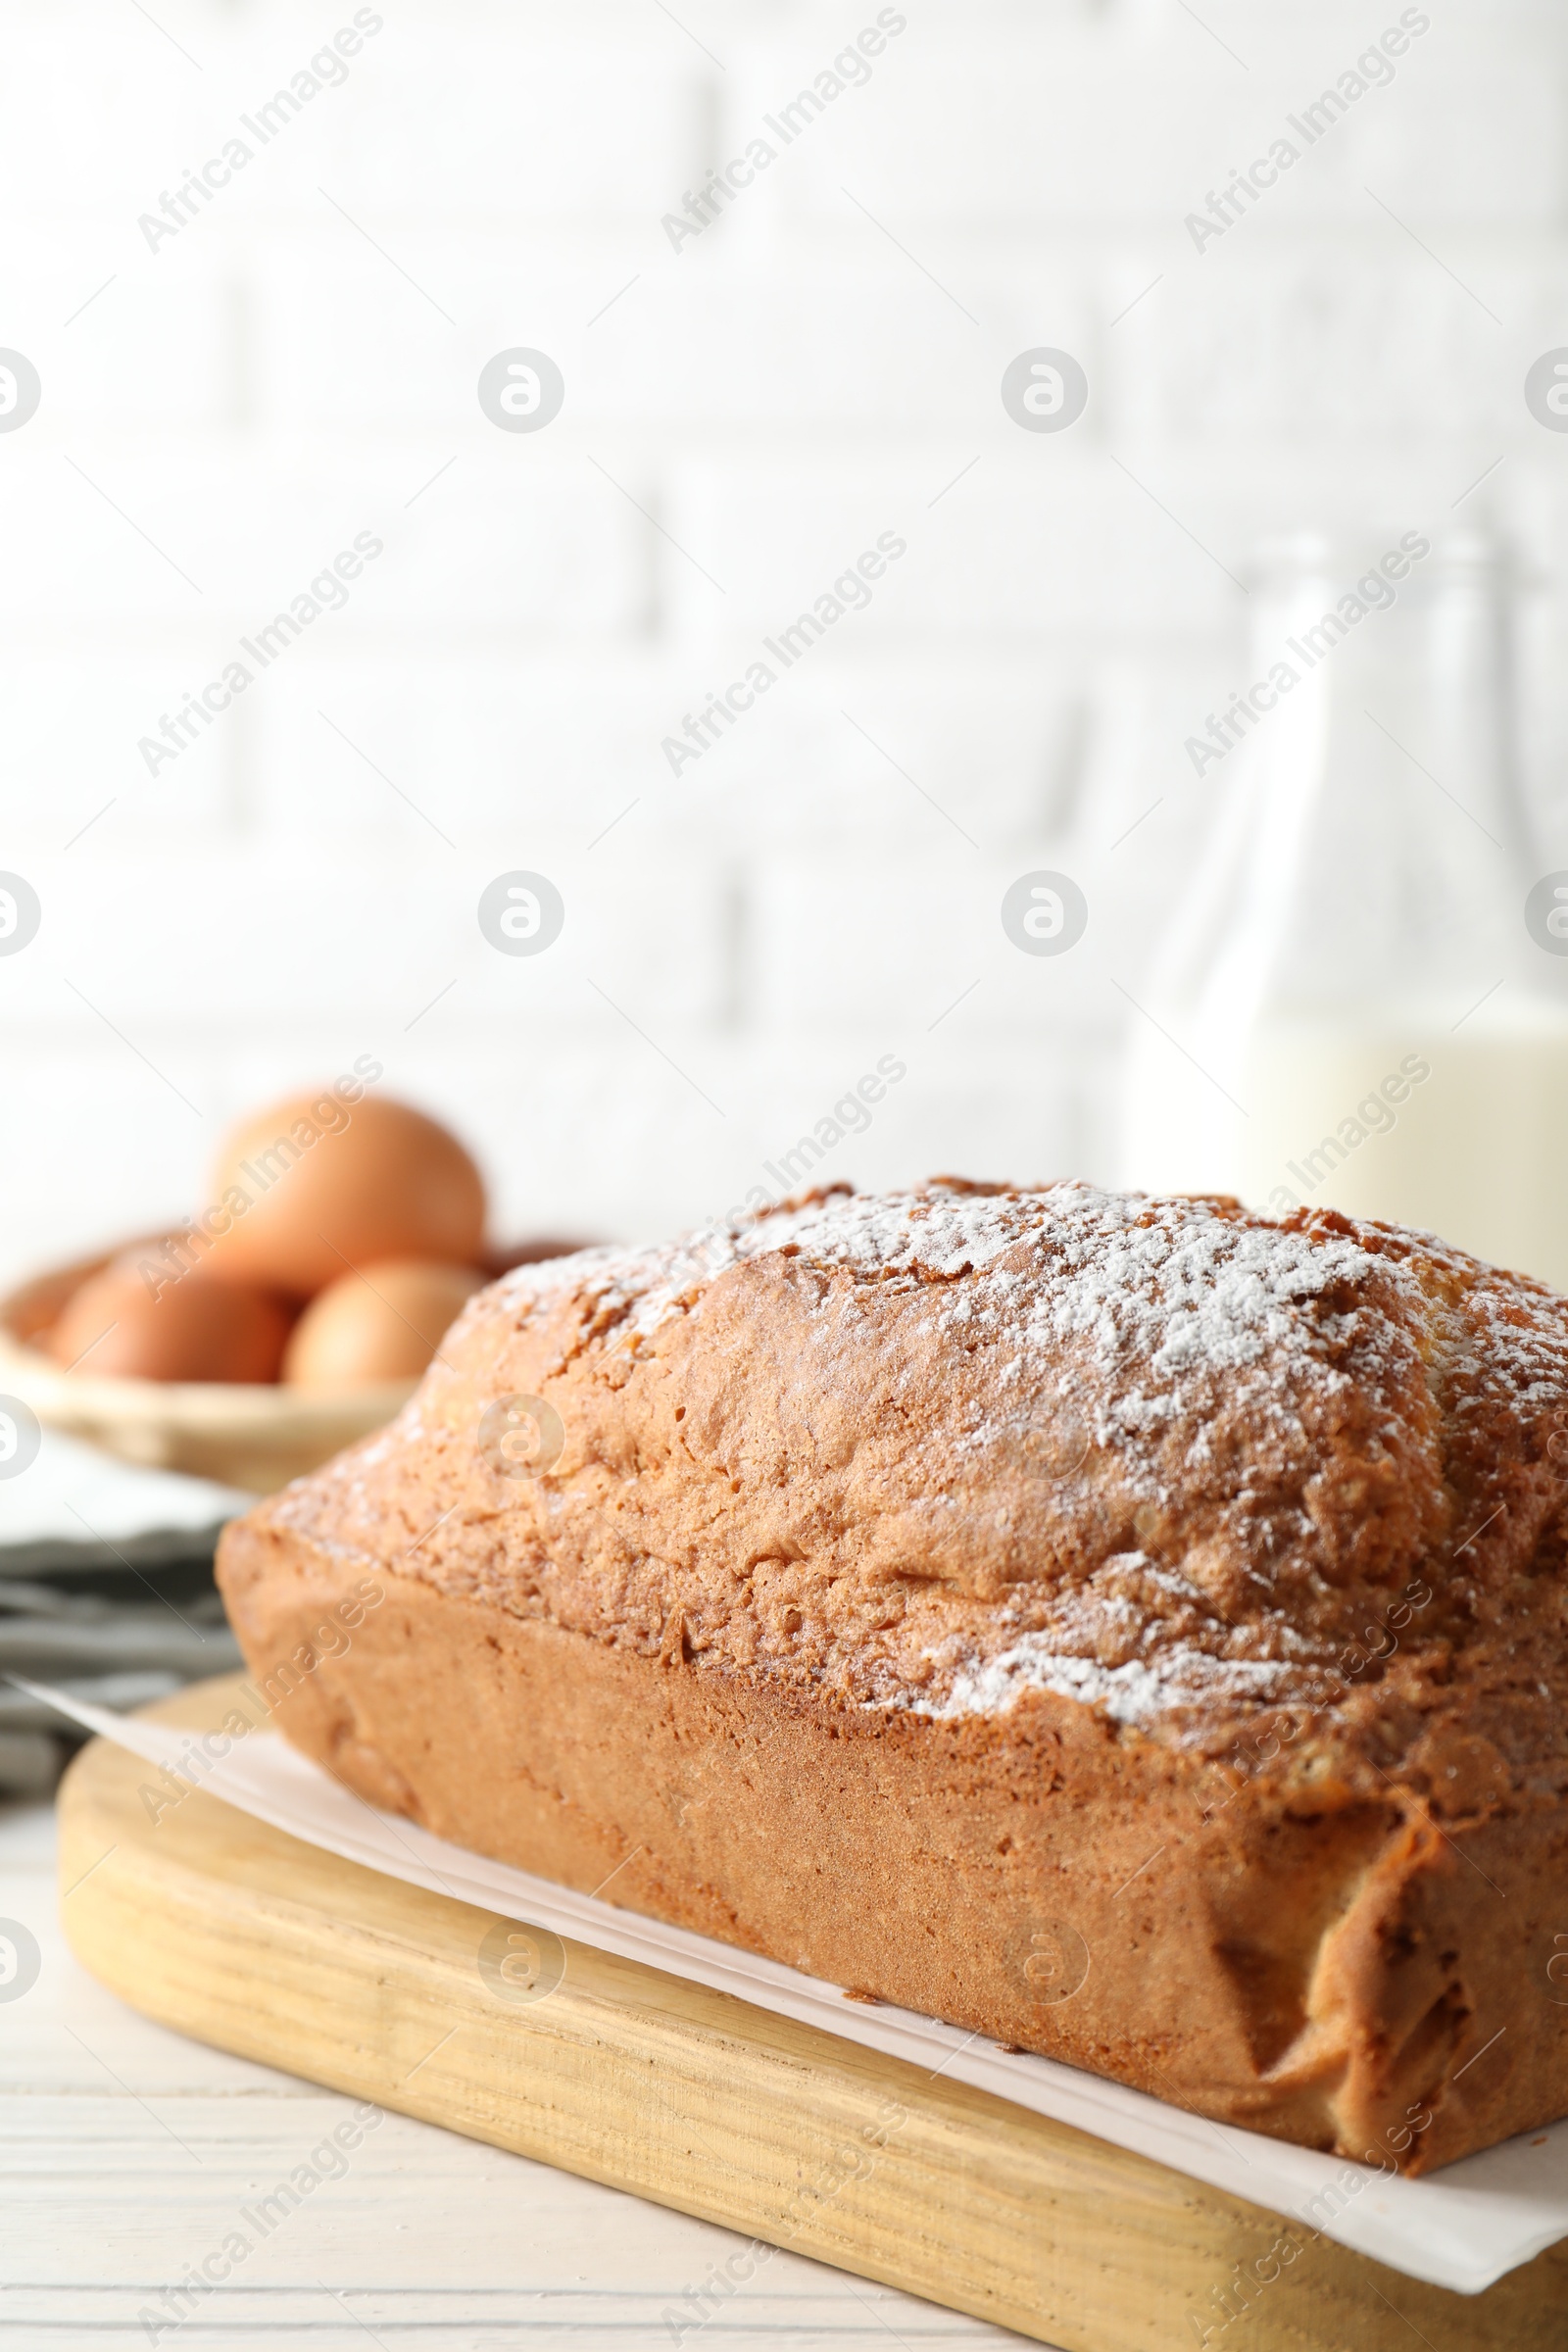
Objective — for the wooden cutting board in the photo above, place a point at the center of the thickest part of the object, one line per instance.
(246, 1938)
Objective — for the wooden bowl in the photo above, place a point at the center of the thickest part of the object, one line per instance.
(240, 1434)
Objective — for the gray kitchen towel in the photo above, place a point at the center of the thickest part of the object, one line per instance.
(106, 1588)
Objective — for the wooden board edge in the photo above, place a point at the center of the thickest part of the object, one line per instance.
(241, 1936)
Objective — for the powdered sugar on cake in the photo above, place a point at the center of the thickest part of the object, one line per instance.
(938, 1450)
(1168, 1286)
(1130, 1693)
(1168, 1280)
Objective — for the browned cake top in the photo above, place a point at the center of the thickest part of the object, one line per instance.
(931, 1451)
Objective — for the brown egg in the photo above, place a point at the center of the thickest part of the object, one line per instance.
(196, 1327)
(383, 1322)
(319, 1183)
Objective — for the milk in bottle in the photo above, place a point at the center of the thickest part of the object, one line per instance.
(1363, 1002)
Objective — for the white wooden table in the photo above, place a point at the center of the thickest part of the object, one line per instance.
(128, 2154)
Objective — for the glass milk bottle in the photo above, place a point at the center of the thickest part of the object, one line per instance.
(1355, 1007)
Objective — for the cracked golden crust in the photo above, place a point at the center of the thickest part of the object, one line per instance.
(934, 1450)
(1028, 1529)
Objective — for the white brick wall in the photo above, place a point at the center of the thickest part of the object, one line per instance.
(821, 365)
